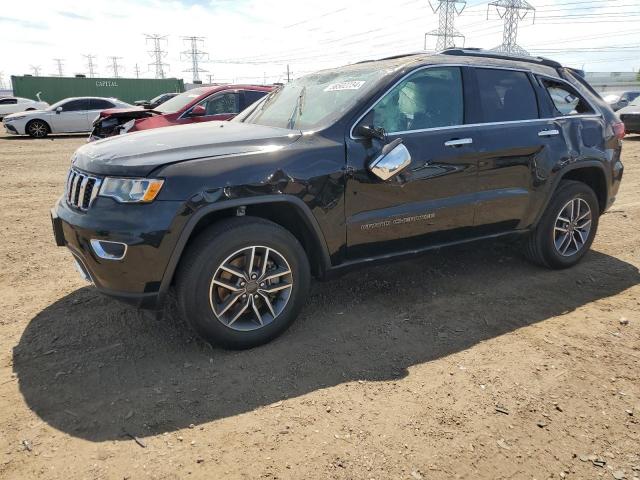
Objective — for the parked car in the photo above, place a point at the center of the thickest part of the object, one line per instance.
(202, 104)
(154, 102)
(338, 169)
(9, 105)
(71, 115)
(630, 116)
(621, 99)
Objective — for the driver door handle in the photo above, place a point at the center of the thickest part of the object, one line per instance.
(548, 133)
(456, 142)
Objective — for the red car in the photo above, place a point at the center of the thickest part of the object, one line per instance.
(202, 104)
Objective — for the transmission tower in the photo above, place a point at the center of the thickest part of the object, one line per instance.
(90, 65)
(115, 66)
(511, 11)
(446, 33)
(2, 85)
(59, 63)
(137, 70)
(195, 55)
(157, 53)
(35, 69)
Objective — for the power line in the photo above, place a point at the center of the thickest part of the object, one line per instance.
(90, 65)
(157, 53)
(446, 33)
(59, 63)
(196, 55)
(511, 12)
(115, 66)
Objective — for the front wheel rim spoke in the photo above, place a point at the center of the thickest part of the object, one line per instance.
(234, 271)
(277, 274)
(239, 312)
(267, 302)
(275, 288)
(226, 285)
(229, 303)
(256, 311)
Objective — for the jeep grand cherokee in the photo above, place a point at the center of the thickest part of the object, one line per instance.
(344, 167)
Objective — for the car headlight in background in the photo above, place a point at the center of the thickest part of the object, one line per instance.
(131, 190)
(11, 119)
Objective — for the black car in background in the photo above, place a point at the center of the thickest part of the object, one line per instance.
(341, 168)
(630, 116)
(156, 101)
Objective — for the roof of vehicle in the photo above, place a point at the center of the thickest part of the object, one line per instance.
(471, 57)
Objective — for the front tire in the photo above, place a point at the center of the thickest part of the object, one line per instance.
(37, 129)
(242, 282)
(567, 228)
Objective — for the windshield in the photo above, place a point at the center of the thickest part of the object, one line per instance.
(180, 101)
(315, 100)
(636, 102)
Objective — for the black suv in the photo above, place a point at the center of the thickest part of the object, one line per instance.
(344, 167)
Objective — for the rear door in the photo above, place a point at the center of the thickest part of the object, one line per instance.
(515, 143)
(72, 118)
(432, 201)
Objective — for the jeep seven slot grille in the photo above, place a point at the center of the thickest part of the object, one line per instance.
(81, 189)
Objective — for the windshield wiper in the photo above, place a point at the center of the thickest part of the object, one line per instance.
(297, 111)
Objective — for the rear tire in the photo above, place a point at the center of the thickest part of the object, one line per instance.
(242, 282)
(37, 129)
(567, 227)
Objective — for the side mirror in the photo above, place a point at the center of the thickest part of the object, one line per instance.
(369, 131)
(392, 160)
(197, 111)
(58, 110)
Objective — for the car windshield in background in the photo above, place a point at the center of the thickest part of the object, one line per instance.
(315, 100)
(180, 101)
(636, 102)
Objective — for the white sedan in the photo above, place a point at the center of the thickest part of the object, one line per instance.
(9, 105)
(71, 115)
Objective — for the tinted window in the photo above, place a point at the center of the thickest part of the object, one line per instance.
(566, 100)
(429, 98)
(221, 103)
(630, 96)
(506, 96)
(75, 105)
(8, 101)
(252, 96)
(97, 104)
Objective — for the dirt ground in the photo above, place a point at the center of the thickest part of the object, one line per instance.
(464, 363)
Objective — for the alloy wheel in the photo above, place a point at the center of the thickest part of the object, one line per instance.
(38, 129)
(572, 227)
(250, 288)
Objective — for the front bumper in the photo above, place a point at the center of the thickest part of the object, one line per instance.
(631, 123)
(150, 232)
(9, 128)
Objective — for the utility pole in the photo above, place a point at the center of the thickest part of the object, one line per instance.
(115, 66)
(59, 62)
(137, 70)
(210, 76)
(157, 53)
(289, 74)
(511, 11)
(195, 55)
(2, 85)
(446, 33)
(90, 65)
(35, 69)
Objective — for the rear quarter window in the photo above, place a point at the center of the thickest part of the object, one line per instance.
(565, 99)
(506, 96)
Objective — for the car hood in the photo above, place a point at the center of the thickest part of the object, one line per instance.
(29, 113)
(630, 109)
(139, 153)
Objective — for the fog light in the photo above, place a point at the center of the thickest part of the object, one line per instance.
(109, 250)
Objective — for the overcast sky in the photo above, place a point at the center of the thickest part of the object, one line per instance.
(252, 40)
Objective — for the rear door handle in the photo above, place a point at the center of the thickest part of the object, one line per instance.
(548, 133)
(458, 141)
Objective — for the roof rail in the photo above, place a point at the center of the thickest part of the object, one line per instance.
(478, 52)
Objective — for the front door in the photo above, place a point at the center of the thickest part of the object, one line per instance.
(432, 200)
(72, 117)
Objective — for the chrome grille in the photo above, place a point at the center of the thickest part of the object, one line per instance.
(81, 189)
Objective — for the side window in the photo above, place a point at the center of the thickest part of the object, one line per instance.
(252, 96)
(506, 96)
(566, 100)
(8, 101)
(429, 98)
(75, 106)
(221, 103)
(98, 104)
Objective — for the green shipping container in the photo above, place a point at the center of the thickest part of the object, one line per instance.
(128, 90)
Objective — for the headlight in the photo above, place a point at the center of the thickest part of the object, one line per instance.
(11, 119)
(131, 190)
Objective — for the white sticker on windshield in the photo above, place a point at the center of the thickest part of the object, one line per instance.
(352, 85)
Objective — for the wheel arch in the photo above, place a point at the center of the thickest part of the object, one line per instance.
(289, 212)
(26, 125)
